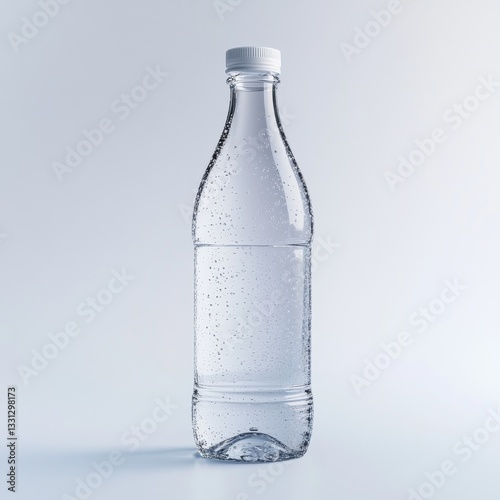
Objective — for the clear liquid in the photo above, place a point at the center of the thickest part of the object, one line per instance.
(252, 399)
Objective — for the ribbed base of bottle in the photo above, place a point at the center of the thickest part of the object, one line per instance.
(252, 425)
(251, 447)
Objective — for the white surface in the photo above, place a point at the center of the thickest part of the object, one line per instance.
(124, 207)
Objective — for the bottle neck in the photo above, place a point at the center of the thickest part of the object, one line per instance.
(253, 104)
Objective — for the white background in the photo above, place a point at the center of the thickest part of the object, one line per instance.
(126, 206)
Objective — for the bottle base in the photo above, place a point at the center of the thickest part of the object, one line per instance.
(253, 447)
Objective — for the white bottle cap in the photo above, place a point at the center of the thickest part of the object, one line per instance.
(257, 59)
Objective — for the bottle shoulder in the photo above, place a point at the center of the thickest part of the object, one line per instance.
(253, 193)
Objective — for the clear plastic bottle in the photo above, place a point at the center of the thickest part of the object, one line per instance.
(252, 231)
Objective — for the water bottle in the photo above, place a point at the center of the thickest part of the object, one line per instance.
(252, 231)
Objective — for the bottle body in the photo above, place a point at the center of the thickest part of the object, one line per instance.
(252, 231)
